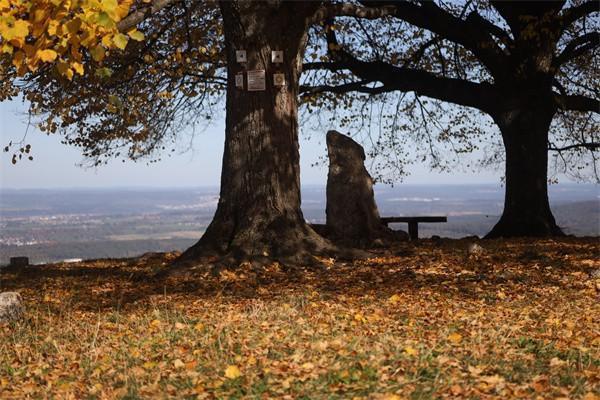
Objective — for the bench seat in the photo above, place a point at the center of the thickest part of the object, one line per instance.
(413, 222)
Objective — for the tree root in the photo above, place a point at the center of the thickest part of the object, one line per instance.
(299, 247)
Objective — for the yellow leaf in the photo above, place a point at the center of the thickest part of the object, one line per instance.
(308, 366)
(232, 372)
(411, 351)
(77, 67)
(155, 323)
(7, 48)
(394, 299)
(136, 35)
(47, 55)
(199, 327)
(455, 338)
(52, 26)
(21, 28)
(109, 6)
(16, 30)
(359, 317)
(106, 41)
(120, 41)
(149, 365)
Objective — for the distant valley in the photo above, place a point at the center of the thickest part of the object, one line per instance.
(53, 225)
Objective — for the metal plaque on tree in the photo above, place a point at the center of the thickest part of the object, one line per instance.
(256, 80)
(240, 56)
(239, 80)
(278, 79)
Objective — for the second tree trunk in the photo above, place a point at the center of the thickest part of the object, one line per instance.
(526, 206)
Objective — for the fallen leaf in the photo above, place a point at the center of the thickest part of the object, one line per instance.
(232, 372)
(455, 338)
(456, 390)
(394, 299)
(179, 326)
(411, 351)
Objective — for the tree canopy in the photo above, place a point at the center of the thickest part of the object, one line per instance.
(122, 79)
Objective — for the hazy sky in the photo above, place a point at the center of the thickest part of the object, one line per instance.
(56, 165)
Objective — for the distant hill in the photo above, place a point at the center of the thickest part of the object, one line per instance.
(581, 218)
(52, 225)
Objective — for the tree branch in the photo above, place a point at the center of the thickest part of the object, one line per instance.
(577, 47)
(470, 94)
(577, 103)
(328, 11)
(477, 95)
(344, 88)
(572, 14)
(589, 146)
(137, 16)
(494, 30)
(427, 16)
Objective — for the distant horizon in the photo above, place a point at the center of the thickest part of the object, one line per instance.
(182, 187)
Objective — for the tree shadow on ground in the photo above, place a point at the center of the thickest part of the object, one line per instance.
(518, 267)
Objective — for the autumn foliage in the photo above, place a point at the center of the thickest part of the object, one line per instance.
(62, 32)
(516, 320)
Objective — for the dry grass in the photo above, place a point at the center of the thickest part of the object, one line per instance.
(428, 321)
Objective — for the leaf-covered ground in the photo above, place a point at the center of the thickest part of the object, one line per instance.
(521, 320)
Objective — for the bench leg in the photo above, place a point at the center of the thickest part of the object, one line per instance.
(413, 230)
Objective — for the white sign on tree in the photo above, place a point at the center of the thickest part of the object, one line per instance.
(256, 80)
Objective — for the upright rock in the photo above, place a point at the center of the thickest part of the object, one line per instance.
(11, 306)
(352, 215)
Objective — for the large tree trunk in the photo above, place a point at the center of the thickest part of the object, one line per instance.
(526, 207)
(258, 218)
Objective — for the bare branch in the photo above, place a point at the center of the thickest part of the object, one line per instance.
(589, 146)
(577, 103)
(577, 47)
(137, 16)
(494, 30)
(351, 10)
(344, 88)
(572, 14)
(427, 16)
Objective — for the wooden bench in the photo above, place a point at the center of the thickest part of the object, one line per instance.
(413, 223)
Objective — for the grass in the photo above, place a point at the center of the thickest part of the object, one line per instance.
(430, 323)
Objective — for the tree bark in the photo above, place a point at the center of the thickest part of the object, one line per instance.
(526, 207)
(258, 217)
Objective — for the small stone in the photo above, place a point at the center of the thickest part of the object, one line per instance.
(11, 306)
(475, 249)
(378, 243)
